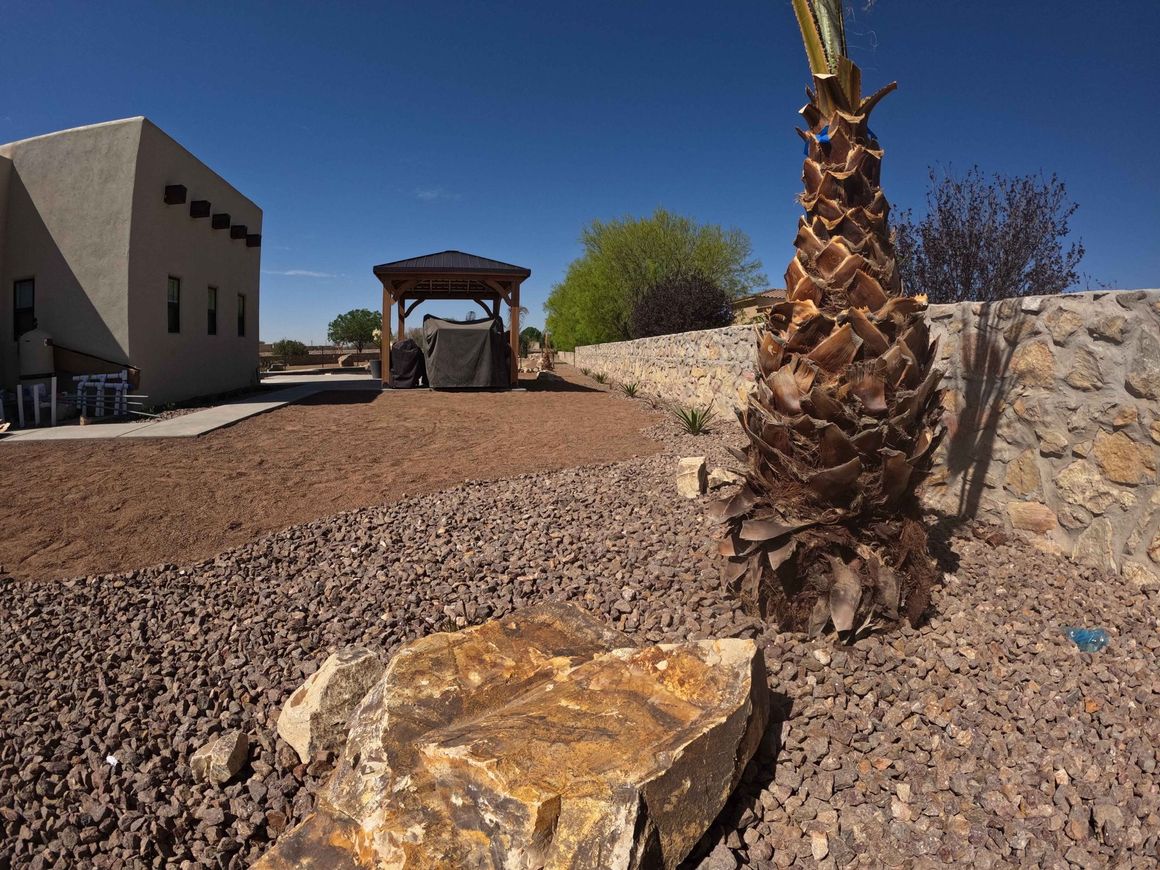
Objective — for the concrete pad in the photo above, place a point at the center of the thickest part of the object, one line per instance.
(200, 422)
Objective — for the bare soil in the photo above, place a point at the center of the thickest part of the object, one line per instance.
(73, 508)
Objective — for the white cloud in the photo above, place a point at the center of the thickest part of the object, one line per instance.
(435, 194)
(299, 273)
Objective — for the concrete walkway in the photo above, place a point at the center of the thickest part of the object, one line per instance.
(297, 387)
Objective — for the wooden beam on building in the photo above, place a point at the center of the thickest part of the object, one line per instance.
(504, 293)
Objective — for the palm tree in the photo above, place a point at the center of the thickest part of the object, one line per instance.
(845, 412)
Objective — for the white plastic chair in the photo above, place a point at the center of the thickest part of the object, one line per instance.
(39, 401)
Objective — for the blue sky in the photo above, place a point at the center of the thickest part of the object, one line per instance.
(369, 132)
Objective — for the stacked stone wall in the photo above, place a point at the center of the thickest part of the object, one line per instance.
(1053, 414)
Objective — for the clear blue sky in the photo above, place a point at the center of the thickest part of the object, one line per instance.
(369, 132)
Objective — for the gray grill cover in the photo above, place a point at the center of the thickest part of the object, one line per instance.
(462, 354)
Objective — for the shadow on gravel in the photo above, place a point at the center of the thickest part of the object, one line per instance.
(739, 813)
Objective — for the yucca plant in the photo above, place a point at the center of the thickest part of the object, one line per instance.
(845, 411)
(695, 420)
(630, 390)
(600, 378)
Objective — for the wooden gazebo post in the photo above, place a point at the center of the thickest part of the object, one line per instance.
(514, 329)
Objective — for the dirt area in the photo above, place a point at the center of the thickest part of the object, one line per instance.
(73, 508)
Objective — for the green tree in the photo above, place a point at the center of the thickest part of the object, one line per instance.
(528, 335)
(288, 348)
(356, 327)
(622, 258)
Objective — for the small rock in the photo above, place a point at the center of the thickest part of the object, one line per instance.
(819, 845)
(719, 477)
(220, 760)
(315, 718)
(721, 858)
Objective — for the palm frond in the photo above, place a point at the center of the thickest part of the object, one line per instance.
(832, 29)
(823, 27)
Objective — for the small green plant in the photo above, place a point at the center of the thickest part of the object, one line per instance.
(630, 390)
(600, 378)
(695, 420)
(586, 372)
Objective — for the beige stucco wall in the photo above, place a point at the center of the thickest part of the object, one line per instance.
(82, 211)
(1052, 409)
(167, 241)
(68, 209)
(5, 286)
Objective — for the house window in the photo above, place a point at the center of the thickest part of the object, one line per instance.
(211, 312)
(173, 304)
(23, 307)
(241, 314)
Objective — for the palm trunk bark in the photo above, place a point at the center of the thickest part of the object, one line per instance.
(845, 412)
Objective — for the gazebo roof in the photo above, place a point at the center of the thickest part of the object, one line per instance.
(451, 262)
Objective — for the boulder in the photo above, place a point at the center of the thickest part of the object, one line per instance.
(219, 760)
(316, 716)
(542, 739)
(692, 478)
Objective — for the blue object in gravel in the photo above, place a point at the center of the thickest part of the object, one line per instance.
(1088, 640)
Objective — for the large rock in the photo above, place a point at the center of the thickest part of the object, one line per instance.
(316, 716)
(538, 740)
(692, 478)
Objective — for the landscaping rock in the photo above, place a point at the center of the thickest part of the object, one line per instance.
(219, 760)
(691, 476)
(534, 741)
(316, 716)
(719, 477)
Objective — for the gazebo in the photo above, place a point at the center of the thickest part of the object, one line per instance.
(451, 275)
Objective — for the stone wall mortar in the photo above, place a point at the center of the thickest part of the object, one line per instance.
(1053, 414)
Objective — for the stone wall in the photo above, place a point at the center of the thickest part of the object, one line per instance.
(1052, 413)
(712, 367)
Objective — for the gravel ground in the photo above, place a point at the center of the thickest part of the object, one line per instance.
(985, 738)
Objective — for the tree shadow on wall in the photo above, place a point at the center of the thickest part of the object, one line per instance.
(986, 348)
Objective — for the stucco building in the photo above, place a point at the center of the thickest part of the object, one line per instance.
(129, 252)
